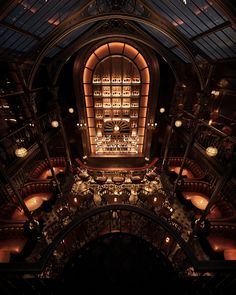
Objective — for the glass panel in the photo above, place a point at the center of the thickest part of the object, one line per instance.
(144, 101)
(140, 61)
(90, 113)
(145, 89)
(102, 51)
(89, 101)
(116, 47)
(53, 51)
(161, 37)
(181, 54)
(87, 89)
(73, 35)
(87, 76)
(92, 61)
(130, 51)
(145, 76)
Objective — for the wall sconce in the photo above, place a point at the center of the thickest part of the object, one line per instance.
(82, 125)
(55, 124)
(211, 151)
(151, 126)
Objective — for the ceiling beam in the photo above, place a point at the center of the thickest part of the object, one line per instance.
(19, 30)
(212, 30)
(91, 12)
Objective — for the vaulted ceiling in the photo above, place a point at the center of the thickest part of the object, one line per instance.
(206, 26)
(190, 31)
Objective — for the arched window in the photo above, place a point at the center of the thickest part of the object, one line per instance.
(116, 84)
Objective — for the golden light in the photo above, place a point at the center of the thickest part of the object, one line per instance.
(71, 110)
(155, 199)
(75, 200)
(211, 151)
(162, 110)
(54, 124)
(115, 200)
(21, 152)
(116, 128)
(167, 240)
(178, 123)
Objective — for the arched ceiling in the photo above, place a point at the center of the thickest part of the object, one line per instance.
(194, 31)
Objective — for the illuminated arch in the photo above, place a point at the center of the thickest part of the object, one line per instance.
(116, 82)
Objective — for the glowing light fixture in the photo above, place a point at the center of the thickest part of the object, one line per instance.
(211, 151)
(162, 110)
(21, 152)
(71, 110)
(178, 123)
(116, 128)
(54, 124)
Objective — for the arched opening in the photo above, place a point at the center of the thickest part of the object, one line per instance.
(116, 82)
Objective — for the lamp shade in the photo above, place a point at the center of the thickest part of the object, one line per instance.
(21, 152)
(178, 123)
(71, 110)
(54, 124)
(211, 151)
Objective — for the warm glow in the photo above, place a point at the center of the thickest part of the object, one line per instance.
(21, 152)
(116, 128)
(75, 200)
(54, 124)
(117, 96)
(155, 199)
(167, 240)
(34, 203)
(115, 200)
(211, 151)
(199, 202)
(178, 123)
(162, 110)
(71, 110)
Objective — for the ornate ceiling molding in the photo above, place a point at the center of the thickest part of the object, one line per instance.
(114, 28)
(96, 10)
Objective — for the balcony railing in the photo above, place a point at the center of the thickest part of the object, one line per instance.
(208, 136)
(24, 137)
